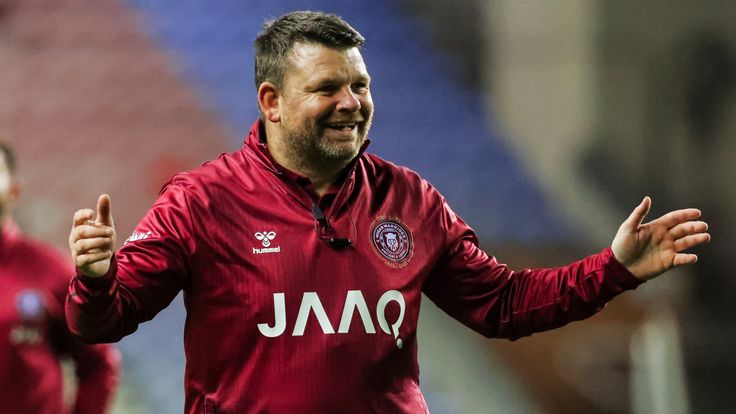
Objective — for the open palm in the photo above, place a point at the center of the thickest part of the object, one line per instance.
(650, 249)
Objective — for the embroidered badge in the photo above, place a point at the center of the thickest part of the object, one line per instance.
(29, 305)
(392, 241)
(265, 238)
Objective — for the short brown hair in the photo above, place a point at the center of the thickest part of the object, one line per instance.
(277, 37)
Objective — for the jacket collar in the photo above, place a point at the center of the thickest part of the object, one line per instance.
(256, 146)
(256, 143)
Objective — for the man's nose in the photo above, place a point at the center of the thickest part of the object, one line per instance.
(348, 101)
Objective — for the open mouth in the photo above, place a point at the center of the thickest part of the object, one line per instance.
(342, 126)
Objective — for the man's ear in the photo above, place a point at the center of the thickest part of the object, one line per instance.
(268, 102)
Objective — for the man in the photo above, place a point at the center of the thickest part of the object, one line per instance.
(303, 258)
(33, 332)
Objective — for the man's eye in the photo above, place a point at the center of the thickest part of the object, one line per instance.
(327, 88)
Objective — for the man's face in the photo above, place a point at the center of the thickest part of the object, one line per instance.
(326, 105)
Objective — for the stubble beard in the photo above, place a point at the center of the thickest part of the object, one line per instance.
(307, 146)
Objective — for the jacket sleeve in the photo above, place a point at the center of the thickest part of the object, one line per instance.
(146, 274)
(495, 301)
(97, 371)
(96, 367)
(98, 375)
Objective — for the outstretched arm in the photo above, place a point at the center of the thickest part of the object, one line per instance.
(651, 249)
(490, 298)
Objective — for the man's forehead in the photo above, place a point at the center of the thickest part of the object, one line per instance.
(309, 56)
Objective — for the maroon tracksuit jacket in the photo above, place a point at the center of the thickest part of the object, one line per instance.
(281, 321)
(33, 334)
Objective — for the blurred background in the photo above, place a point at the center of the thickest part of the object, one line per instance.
(543, 123)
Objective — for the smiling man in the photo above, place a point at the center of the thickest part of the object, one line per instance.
(303, 258)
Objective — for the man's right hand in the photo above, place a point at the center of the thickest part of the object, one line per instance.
(92, 239)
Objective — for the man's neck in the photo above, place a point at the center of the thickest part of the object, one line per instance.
(321, 180)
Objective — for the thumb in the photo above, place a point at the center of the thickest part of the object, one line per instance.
(104, 212)
(637, 216)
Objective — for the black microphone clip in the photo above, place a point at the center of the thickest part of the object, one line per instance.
(319, 216)
(339, 243)
(325, 231)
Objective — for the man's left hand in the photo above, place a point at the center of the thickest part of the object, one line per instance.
(650, 249)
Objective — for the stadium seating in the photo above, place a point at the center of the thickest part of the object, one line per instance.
(425, 117)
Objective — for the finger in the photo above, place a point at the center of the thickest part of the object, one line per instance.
(676, 217)
(691, 241)
(82, 216)
(87, 231)
(684, 259)
(637, 216)
(91, 258)
(85, 246)
(689, 227)
(104, 211)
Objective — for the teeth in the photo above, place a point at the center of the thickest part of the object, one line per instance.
(348, 126)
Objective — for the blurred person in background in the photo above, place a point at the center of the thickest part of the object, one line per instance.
(303, 258)
(34, 338)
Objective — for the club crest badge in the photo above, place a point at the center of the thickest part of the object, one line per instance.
(29, 304)
(392, 241)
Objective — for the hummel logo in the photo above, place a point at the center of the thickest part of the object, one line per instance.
(137, 236)
(265, 239)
